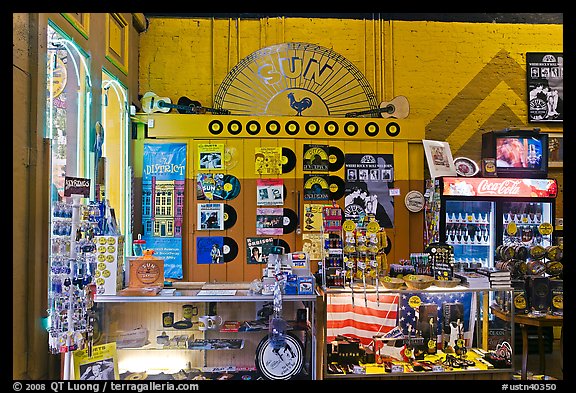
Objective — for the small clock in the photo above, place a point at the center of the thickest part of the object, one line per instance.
(59, 76)
(282, 363)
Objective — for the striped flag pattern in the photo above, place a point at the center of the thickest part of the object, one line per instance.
(360, 321)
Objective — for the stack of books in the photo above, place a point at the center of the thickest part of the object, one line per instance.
(498, 278)
(473, 280)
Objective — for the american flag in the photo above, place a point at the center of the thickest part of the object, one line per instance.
(361, 321)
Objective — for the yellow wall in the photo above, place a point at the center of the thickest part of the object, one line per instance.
(462, 79)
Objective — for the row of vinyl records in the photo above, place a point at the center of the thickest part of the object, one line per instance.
(485, 278)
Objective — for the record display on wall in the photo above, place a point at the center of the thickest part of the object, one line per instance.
(282, 243)
(336, 187)
(288, 160)
(216, 186)
(290, 221)
(230, 249)
(230, 216)
(335, 158)
(231, 187)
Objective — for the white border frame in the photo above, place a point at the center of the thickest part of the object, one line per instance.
(435, 169)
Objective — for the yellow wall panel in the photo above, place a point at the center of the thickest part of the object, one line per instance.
(461, 79)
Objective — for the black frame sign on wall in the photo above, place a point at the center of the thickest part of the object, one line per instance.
(545, 75)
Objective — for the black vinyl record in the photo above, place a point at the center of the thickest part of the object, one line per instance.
(290, 220)
(282, 243)
(388, 245)
(336, 186)
(288, 160)
(230, 249)
(335, 158)
(230, 216)
(231, 187)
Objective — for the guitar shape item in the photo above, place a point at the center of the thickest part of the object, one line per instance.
(151, 103)
(397, 108)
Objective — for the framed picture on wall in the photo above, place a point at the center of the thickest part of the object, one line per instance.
(545, 78)
(555, 150)
(439, 158)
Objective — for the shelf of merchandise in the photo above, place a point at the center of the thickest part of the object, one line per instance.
(123, 313)
(481, 334)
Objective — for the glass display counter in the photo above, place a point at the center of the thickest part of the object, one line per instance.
(432, 333)
(208, 334)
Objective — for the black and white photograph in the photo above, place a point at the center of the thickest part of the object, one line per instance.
(269, 192)
(545, 78)
(369, 195)
(210, 156)
(97, 371)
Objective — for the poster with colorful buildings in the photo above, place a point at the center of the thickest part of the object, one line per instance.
(163, 177)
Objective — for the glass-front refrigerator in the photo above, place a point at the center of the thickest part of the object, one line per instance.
(474, 215)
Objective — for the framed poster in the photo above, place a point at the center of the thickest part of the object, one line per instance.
(369, 179)
(555, 150)
(439, 158)
(545, 78)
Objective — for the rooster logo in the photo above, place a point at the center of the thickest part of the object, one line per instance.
(299, 106)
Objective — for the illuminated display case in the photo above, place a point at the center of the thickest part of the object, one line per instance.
(236, 347)
(475, 215)
(407, 333)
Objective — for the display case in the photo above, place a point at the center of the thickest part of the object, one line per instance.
(432, 333)
(475, 215)
(208, 334)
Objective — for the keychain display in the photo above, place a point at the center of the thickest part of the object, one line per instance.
(364, 257)
(72, 274)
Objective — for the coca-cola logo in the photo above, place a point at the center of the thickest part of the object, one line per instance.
(505, 187)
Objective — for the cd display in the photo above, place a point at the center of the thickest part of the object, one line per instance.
(230, 216)
(230, 249)
(335, 158)
(336, 186)
(290, 221)
(288, 160)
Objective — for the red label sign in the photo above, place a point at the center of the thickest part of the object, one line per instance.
(500, 187)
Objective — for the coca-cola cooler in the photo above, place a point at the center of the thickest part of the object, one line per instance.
(475, 215)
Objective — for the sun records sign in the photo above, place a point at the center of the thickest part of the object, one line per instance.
(295, 79)
(76, 186)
